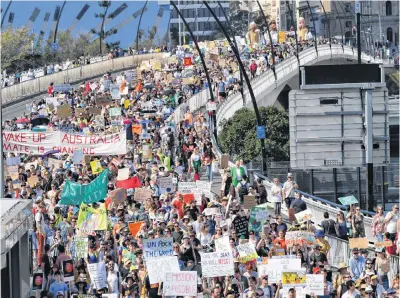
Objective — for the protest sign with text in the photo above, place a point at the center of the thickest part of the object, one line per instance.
(160, 247)
(216, 264)
(97, 273)
(158, 267)
(247, 252)
(180, 284)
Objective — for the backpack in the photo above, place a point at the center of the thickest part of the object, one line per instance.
(243, 190)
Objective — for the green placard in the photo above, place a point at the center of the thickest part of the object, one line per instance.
(349, 200)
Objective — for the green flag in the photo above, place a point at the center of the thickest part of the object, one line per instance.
(75, 193)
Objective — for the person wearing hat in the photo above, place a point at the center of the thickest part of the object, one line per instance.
(377, 287)
(323, 243)
(356, 264)
(351, 290)
(288, 190)
(317, 258)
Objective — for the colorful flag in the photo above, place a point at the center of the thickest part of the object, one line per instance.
(91, 219)
(132, 182)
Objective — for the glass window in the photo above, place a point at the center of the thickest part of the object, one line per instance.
(348, 24)
(389, 33)
(388, 8)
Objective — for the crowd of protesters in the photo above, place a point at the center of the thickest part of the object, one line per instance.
(183, 151)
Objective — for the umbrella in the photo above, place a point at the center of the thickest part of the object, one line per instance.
(22, 120)
(41, 120)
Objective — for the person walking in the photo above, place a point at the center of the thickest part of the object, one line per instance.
(288, 190)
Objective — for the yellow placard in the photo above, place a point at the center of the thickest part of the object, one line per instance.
(281, 36)
(156, 64)
(96, 167)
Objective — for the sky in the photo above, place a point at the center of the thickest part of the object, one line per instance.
(126, 35)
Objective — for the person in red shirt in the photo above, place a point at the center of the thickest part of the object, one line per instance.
(280, 240)
(178, 203)
(50, 89)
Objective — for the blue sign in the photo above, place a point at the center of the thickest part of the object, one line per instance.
(54, 46)
(260, 132)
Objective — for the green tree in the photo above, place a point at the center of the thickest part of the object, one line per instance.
(238, 134)
(15, 45)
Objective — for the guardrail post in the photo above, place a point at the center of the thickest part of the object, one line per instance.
(334, 171)
(312, 181)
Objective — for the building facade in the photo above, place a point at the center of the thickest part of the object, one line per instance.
(199, 18)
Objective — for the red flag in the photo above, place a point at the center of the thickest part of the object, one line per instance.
(87, 88)
(187, 61)
(188, 198)
(132, 182)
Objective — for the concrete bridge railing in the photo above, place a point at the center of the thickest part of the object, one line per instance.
(73, 75)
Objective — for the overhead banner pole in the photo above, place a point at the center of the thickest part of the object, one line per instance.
(43, 30)
(32, 18)
(78, 17)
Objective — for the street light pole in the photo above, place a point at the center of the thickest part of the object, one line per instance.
(138, 27)
(246, 77)
(295, 31)
(58, 21)
(5, 13)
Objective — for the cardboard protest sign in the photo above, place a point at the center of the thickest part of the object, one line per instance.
(213, 57)
(358, 243)
(64, 111)
(241, 224)
(123, 174)
(158, 267)
(247, 252)
(134, 227)
(98, 276)
(156, 64)
(315, 284)
(384, 243)
(165, 184)
(216, 264)
(222, 62)
(186, 187)
(222, 244)
(29, 164)
(137, 128)
(118, 195)
(95, 111)
(68, 269)
(187, 81)
(303, 216)
(81, 247)
(115, 112)
(294, 278)
(275, 267)
(13, 172)
(299, 237)
(249, 202)
(147, 151)
(37, 281)
(96, 167)
(211, 106)
(180, 284)
(258, 216)
(99, 121)
(142, 194)
(33, 180)
(160, 247)
(78, 157)
(224, 163)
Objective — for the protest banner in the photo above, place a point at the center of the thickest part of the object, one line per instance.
(165, 184)
(38, 143)
(157, 267)
(258, 216)
(358, 242)
(222, 244)
(96, 167)
(134, 227)
(74, 193)
(97, 273)
(299, 237)
(247, 252)
(142, 194)
(68, 269)
(62, 87)
(216, 264)
(294, 278)
(188, 198)
(123, 174)
(81, 247)
(90, 219)
(384, 243)
(37, 281)
(277, 251)
(211, 211)
(64, 111)
(276, 266)
(186, 187)
(180, 284)
(315, 284)
(33, 180)
(118, 195)
(241, 224)
(303, 216)
(78, 157)
(249, 202)
(211, 106)
(160, 247)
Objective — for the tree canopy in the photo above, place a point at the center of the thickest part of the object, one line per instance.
(238, 134)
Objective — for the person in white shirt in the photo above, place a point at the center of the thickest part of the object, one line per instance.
(276, 196)
(112, 279)
(351, 290)
(391, 221)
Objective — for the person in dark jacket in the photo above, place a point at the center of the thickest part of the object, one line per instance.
(298, 204)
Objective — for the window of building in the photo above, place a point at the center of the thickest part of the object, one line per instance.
(389, 34)
(348, 7)
(348, 24)
(388, 8)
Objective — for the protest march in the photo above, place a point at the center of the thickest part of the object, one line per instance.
(124, 205)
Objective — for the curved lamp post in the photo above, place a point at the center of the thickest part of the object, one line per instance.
(270, 38)
(5, 14)
(295, 31)
(246, 77)
(58, 21)
(315, 29)
(201, 58)
(138, 27)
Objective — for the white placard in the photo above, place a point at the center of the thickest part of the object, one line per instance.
(123, 174)
(186, 187)
(275, 267)
(315, 284)
(160, 247)
(165, 184)
(216, 264)
(205, 186)
(180, 284)
(222, 244)
(97, 272)
(157, 268)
